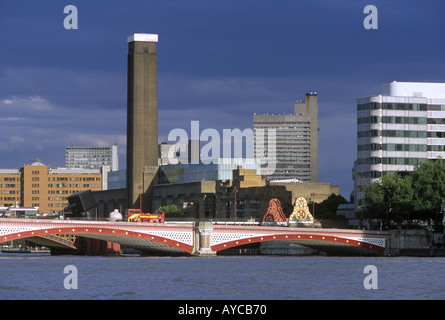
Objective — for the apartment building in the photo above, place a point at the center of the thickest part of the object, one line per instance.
(37, 185)
(296, 147)
(92, 157)
(397, 130)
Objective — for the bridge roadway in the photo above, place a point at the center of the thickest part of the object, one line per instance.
(200, 238)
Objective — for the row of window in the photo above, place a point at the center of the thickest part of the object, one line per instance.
(58, 179)
(85, 185)
(287, 122)
(53, 179)
(400, 106)
(400, 134)
(59, 185)
(435, 134)
(8, 191)
(400, 120)
(370, 174)
(74, 179)
(394, 106)
(36, 198)
(288, 137)
(436, 148)
(395, 147)
(8, 185)
(10, 179)
(395, 161)
(389, 119)
(392, 133)
(436, 121)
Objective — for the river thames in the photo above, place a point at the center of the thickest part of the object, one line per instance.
(30, 277)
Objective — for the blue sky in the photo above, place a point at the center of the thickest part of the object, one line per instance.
(218, 62)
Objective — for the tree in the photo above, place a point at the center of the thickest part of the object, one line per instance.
(328, 207)
(375, 206)
(405, 196)
(389, 199)
(172, 211)
(428, 181)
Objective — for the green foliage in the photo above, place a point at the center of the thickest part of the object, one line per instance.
(328, 207)
(390, 198)
(429, 186)
(400, 197)
(172, 211)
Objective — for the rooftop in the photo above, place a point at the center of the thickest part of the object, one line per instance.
(415, 89)
(145, 37)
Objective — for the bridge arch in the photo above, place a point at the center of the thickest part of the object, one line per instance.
(331, 244)
(138, 240)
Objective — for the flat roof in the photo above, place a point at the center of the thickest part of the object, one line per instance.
(415, 89)
(145, 37)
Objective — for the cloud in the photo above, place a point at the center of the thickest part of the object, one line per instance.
(10, 118)
(16, 139)
(25, 106)
(92, 139)
(36, 127)
(62, 86)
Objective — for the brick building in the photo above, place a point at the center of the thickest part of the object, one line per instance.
(37, 185)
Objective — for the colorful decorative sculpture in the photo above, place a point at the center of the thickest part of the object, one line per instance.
(301, 212)
(274, 212)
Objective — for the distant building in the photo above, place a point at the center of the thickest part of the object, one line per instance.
(188, 153)
(47, 188)
(221, 169)
(91, 157)
(18, 212)
(216, 199)
(397, 130)
(296, 151)
(117, 179)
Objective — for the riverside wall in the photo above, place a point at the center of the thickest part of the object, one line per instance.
(415, 242)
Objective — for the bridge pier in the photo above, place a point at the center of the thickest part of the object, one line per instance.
(101, 247)
(201, 239)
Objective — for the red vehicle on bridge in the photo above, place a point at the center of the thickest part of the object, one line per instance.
(136, 215)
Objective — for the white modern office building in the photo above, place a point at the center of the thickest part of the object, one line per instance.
(397, 130)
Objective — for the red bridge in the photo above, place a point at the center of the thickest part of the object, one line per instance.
(200, 238)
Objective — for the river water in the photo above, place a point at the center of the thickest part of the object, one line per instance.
(30, 276)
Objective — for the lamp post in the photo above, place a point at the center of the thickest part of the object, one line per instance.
(63, 200)
(235, 190)
(313, 204)
(140, 196)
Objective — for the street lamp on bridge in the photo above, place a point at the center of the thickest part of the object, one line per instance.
(235, 191)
